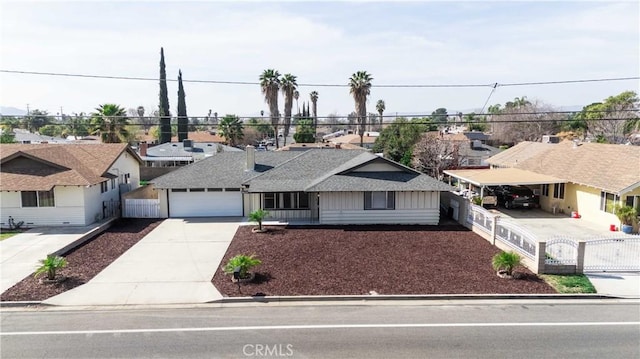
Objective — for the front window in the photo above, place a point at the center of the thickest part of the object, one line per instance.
(558, 190)
(286, 200)
(379, 200)
(608, 201)
(545, 190)
(38, 199)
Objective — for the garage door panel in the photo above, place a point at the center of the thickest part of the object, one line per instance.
(205, 204)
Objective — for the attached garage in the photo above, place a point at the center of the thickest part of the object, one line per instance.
(197, 202)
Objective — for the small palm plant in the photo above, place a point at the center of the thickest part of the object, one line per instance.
(258, 216)
(50, 266)
(242, 261)
(505, 262)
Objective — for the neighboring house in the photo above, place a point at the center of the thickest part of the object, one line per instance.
(472, 150)
(173, 154)
(598, 176)
(74, 184)
(368, 140)
(24, 136)
(202, 136)
(323, 186)
(319, 145)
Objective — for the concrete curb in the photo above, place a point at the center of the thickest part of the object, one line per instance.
(351, 298)
(87, 236)
(20, 304)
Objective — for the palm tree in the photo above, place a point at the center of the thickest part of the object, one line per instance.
(109, 122)
(314, 102)
(380, 107)
(360, 88)
(231, 129)
(270, 85)
(288, 85)
(296, 95)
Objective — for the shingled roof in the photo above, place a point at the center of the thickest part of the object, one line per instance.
(613, 168)
(40, 167)
(291, 171)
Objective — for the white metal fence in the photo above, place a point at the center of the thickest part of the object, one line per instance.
(516, 237)
(481, 217)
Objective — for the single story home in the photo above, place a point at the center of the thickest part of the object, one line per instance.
(318, 185)
(70, 184)
(368, 140)
(171, 154)
(592, 177)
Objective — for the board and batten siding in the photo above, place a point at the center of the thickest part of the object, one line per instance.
(410, 208)
(253, 202)
(68, 209)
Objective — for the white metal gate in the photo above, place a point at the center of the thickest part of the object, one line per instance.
(612, 254)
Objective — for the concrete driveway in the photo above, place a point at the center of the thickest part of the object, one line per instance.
(545, 225)
(173, 264)
(20, 254)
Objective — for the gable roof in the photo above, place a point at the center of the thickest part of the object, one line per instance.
(224, 170)
(177, 149)
(354, 139)
(613, 168)
(40, 167)
(291, 171)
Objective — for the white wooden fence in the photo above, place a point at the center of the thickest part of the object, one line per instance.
(141, 208)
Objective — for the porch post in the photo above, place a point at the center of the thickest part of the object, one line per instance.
(580, 259)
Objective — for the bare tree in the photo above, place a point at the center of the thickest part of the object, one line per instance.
(432, 155)
(522, 120)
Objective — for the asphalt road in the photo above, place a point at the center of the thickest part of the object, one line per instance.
(522, 329)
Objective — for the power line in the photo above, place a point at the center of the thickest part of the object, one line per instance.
(222, 82)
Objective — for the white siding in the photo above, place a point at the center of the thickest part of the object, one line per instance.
(126, 163)
(411, 208)
(93, 203)
(68, 209)
(378, 167)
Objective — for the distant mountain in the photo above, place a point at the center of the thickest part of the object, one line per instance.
(11, 111)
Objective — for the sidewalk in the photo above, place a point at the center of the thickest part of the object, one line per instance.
(617, 284)
(173, 264)
(20, 254)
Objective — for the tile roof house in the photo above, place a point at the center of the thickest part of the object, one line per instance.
(323, 186)
(368, 140)
(72, 184)
(598, 176)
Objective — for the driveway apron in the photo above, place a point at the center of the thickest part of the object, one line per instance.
(173, 264)
(20, 254)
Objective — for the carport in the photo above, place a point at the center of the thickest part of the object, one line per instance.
(501, 176)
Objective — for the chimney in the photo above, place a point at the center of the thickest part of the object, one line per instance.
(143, 149)
(187, 143)
(251, 158)
(338, 146)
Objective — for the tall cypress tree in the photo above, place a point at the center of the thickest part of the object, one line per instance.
(183, 120)
(165, 115)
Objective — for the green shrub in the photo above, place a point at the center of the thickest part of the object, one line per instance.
(244, 262)
(50, 266)
(506, 261)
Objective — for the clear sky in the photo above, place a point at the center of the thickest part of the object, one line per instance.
(412, 42)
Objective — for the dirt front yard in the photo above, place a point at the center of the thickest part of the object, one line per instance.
(357, 260)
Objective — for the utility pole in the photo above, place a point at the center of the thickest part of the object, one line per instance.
(27, 109)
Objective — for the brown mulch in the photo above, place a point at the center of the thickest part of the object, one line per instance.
(86, 261)
(355, 260)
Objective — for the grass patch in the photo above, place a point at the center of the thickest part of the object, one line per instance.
(574, 283)
(6, 234)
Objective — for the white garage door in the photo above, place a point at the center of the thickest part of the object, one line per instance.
(205, 204)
